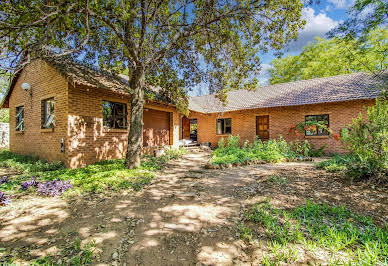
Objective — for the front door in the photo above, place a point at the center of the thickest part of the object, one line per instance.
(262, 127)
(185, 128)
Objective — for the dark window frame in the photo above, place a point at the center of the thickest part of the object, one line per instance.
(19, 118)
(318, 118)
(116, 118)
(224, 126)
(48, 113)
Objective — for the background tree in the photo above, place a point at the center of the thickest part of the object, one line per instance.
(170, 44)
(4, 113)
(364, 16)
(332, 57)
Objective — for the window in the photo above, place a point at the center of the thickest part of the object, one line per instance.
(322, 119)
(48, 118)
(19, 118)
(224, 126)
(114, 114)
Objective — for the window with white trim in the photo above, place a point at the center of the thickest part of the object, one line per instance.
(19, 118)
(48, 117)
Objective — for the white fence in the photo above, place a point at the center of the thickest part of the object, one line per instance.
(4, 135)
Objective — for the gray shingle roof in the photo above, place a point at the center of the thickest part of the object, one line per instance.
(320, 90)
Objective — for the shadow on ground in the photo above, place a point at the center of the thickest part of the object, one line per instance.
(187, 216)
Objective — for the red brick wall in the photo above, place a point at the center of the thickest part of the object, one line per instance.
(45, 83)
(88, 140)
(280, 120)
(78, 120)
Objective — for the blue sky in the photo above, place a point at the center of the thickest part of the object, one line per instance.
(319, 20)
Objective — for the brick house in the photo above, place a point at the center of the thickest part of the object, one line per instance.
(77, 115)
(72, 113)
(269, 111)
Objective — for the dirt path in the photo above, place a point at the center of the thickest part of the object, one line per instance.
(188, 216)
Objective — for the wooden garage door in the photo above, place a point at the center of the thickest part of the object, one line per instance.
(156, 128)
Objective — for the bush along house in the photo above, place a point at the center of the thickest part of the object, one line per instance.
(61, 110)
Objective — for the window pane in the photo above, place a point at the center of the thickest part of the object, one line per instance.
(48, 117)
(324, 119)
(114, 114)
(219, 126)
(19, 118)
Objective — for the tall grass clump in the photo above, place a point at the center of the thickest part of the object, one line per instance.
(274, 150)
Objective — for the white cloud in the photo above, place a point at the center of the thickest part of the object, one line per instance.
(339, 3)
(316, 25)
(264, 74)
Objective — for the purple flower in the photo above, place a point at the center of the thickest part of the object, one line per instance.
(54, 188)
(32, 183)
(4, 200)
(3, 179)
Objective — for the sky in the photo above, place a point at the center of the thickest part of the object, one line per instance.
(320, 18)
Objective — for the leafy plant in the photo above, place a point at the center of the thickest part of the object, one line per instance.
(274, 150)
(368, 143)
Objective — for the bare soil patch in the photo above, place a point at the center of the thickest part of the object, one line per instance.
(187, 216)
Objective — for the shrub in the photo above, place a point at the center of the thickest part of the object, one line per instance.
(368, 143)
(274, 150)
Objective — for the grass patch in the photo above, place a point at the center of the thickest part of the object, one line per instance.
(335, 164)
(275, 179)
(348, 237)
(73, 254)
(26, 164)
(98, 177)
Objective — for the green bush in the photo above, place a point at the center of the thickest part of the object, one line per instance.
(274, 150)
(368, 144)
(336, 164)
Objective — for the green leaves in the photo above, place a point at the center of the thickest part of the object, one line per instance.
(333, 57)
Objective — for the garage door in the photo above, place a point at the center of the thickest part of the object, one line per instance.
(156, 128)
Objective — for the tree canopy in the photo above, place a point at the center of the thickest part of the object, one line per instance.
(170, 44)
(332, 57)
(364, 17)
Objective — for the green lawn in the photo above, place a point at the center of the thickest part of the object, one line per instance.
(98, 177)
(345, 237)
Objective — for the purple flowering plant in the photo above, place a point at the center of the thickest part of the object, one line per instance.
(4, 200)
(54, 188)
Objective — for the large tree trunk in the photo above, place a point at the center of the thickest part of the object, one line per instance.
(135, 136)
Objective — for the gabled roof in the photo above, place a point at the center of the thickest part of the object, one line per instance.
(81, 74)
(77, 73)
(319, 90)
